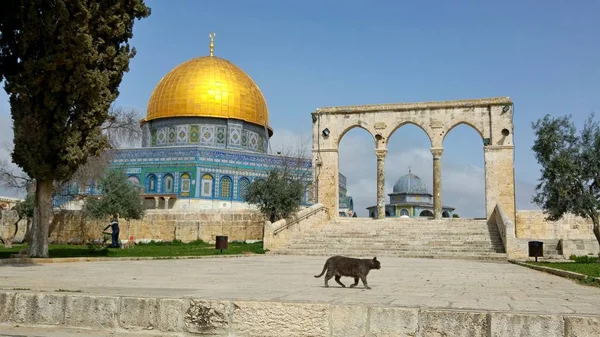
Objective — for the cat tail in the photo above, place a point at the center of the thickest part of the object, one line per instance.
(322, 272)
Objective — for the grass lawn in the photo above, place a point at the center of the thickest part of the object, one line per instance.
(590, 269)
(152, 249)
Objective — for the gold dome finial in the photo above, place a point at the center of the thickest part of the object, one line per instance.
(212, 43)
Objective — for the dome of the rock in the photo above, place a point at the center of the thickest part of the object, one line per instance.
(208, 86)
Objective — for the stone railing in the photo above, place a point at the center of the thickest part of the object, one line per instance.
(516, 249)
(504, 224)
(278, 233)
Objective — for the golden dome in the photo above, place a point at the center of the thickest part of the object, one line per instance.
(208, 86)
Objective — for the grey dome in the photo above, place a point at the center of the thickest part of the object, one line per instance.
(410, 184)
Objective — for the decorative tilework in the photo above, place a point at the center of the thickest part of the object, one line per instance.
(182, 134)
(261, 144)
(235, 135)
(221, 135)
(244, 138)
(253, 140)
(171, 135)
(153, 137)
(162, 136)
(194, 134)
(207, 134)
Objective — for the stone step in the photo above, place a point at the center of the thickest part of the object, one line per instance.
(401, 249)
(463, 239)
(430, 255)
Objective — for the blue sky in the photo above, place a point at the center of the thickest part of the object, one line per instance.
(309, 54)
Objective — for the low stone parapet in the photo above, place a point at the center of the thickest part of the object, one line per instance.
(278, 233)
(269, 318)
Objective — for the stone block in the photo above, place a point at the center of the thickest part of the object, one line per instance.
(139, 313)
(42, 309)
(506, 325)
(263, 319)
(438, 323)
(348, 321)
(93, 312)
(171, 313)
(208, 318)
(7, 301)
(397, 322)
(582, 326)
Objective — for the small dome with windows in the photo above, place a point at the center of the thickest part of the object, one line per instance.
(410, 184)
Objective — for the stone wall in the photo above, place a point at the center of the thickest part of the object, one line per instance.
(269, 318)
(571, 235)
(531, 224)
(165, 225)
(7, 226)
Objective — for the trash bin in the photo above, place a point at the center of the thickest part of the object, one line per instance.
(536, 249)
(221, 242)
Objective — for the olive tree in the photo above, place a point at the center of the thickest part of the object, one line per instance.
(570, 180)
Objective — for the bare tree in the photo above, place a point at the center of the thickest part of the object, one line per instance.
(296, 157)
(122, 129)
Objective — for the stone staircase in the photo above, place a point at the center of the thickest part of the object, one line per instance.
(423, 238)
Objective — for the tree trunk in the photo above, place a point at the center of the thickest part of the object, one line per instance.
(27, 238)
(596, 229)
(41, 219)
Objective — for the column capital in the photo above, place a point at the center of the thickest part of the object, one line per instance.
(380, 154)
(437, 152)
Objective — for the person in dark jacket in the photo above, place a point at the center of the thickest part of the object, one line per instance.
(114, 224)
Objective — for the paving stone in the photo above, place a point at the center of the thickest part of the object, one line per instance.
(397, 322)
(582, 326)
(263, 319)
(506, 325)
(138, 313)
(91, 311)
(348, 321)
(435, 323)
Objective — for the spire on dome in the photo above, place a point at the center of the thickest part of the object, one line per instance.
(212, 43)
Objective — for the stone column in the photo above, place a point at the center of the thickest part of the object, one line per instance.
(156, 202)
(437, 181)
(326, 180)
(380, 183)
(167, 202)
(499, 180)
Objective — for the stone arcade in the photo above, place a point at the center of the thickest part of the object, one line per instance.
(490, 117)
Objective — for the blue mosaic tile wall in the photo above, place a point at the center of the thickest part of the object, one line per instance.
(205, 132)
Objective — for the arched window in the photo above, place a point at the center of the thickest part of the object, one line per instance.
(151, 183)
(225, 187)
(207, 186)
(185, 185)
(404, 211)
(168, 183)
(134, 180)
(426, 213)
(243, 186)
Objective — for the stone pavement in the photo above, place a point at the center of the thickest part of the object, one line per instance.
(412, 283)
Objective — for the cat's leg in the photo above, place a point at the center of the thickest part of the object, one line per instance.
(328, 277)
(337, 279)
(355, 283)
(364, 281)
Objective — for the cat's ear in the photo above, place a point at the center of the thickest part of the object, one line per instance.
(375, 258)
